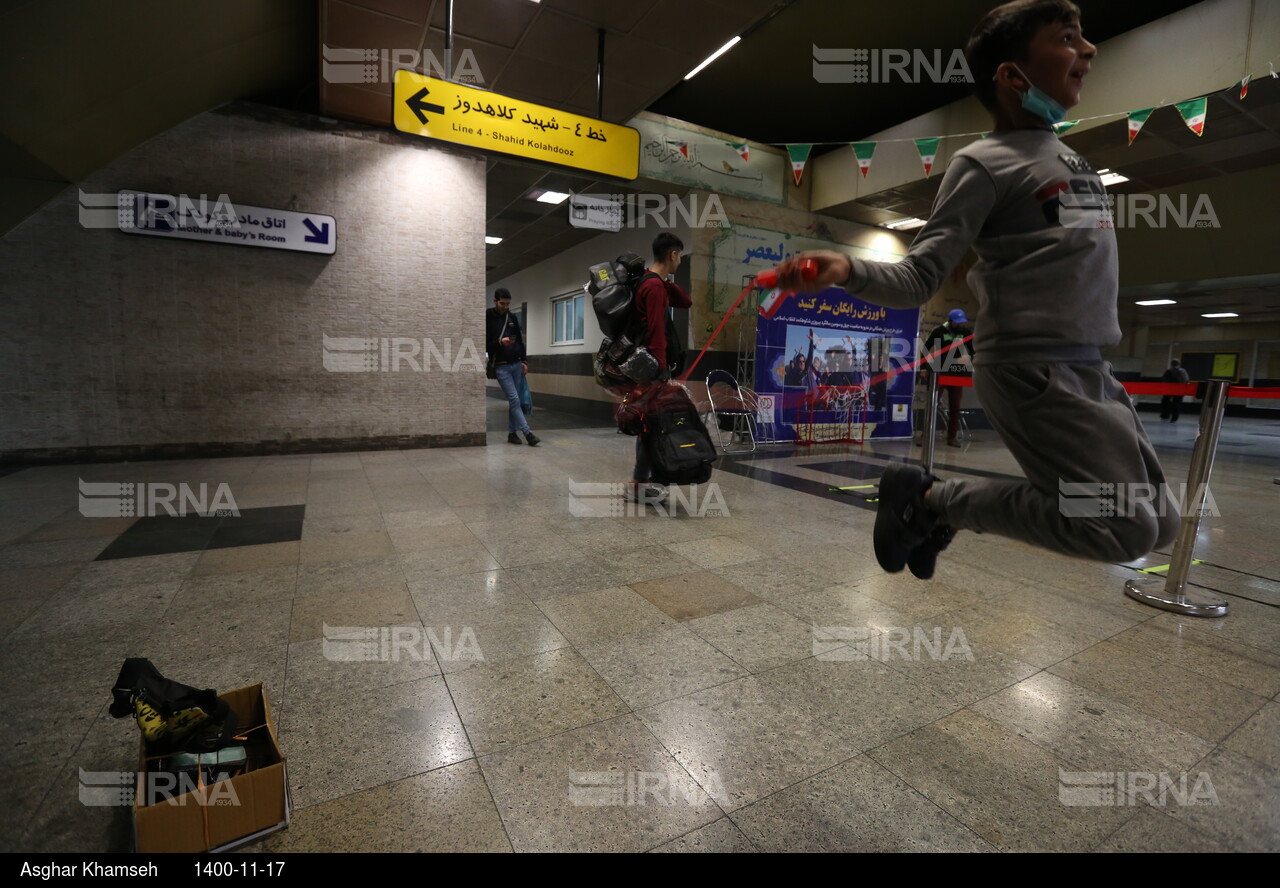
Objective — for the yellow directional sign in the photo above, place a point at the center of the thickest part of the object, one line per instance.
(453, 112)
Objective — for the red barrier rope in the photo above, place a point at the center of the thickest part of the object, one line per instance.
(1244, 391)
(1188, 389)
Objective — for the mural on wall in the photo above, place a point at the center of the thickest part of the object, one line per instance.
(685, 156)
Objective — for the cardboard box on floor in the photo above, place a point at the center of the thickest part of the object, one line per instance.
(255, 803)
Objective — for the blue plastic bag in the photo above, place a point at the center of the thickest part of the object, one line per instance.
(526, 396)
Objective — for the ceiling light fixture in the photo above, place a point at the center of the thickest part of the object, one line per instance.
(491, 240)
(905, 224)
(552, 197)
(1109, 177)
(1157, 302)
(1221, 314)
(715, 55)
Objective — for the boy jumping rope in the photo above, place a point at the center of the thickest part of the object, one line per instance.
(1047, 291)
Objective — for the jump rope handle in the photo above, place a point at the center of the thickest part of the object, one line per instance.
(769, 277)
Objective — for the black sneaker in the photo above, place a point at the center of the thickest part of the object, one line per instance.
(532, 439)
(513, 438)
(925, 558)
(645, 493)
(903, 521)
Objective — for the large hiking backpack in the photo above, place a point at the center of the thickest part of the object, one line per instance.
(621, 360)
(613, 292)
(672, 433)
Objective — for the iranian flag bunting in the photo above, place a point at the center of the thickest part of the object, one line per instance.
(928, 149)
(1193, 113)
(863, 151)
(1136, 120)
(799, 155)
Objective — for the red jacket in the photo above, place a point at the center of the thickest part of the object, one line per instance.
(652, 298)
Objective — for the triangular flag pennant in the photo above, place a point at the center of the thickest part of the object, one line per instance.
(928, 149)
(863, 151)
(741, 148)
(683, 146)
(1060, 128)
(1244, 86)
(1193, 113)
(1136, 120)
(799, 155)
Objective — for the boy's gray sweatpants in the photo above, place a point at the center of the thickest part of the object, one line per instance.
(1072, 423)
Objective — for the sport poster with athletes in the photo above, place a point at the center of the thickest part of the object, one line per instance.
(839, 368)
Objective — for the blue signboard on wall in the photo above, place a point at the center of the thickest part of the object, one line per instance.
(839, 368)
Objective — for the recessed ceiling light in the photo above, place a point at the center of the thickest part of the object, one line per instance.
(491, 240)
(1157, 302)
(905, 224)
(715, 55)
(1221, 314)
(552, 197)
(1112, 178)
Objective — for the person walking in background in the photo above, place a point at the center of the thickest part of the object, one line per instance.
(504, 342)
(1171, 405)
(950, 339)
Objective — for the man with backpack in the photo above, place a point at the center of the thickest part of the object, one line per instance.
(654, 296)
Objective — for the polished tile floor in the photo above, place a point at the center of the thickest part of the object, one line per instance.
(736, 676)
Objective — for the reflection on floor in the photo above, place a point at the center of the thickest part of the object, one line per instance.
(738, 675)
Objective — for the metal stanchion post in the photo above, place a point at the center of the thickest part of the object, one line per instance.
(1173, 596)
(930, 421)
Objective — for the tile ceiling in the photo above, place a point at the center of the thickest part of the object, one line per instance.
(541, 52)
(546, 53)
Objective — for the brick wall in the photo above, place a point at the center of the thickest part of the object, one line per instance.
(115, 345)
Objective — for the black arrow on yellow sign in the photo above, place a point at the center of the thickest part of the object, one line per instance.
(418, 106)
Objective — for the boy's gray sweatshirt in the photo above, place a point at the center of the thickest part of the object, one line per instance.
(1047, 278)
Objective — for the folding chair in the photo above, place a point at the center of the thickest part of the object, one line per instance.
(731, 400)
